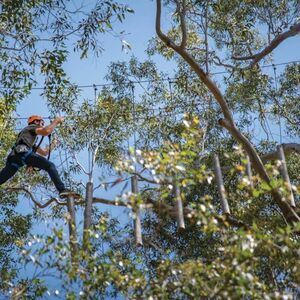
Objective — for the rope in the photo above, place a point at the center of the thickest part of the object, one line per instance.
(152, 80)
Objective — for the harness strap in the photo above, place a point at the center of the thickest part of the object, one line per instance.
(49, 153)
(34, 149)
(23, 158)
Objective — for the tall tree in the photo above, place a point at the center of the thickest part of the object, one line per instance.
(236, 24)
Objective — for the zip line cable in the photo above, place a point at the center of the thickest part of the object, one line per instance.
(151, 80)
(166, 110)
(147, 110)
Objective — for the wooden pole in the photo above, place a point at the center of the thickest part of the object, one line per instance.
(179, 206)
(221, 188)
(285, 175)
(137, 220)
(87, 212)
(72, 227)
(249, 171)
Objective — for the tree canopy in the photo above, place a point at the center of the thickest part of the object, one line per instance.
(193, 230)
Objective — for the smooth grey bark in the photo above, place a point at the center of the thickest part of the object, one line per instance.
(178, 206)
(285, 175)
(87, 212)
(72, 227)
(137, 220)
(220, 184)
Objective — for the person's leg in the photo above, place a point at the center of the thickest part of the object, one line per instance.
(37, 161)
(8, 171)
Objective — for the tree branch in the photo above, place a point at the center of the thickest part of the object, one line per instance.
(194, 65)
(144, 178)
(171, 210)
(161, 35)
(257, 163)
(79, 164)
(294, 30)
(21, 189)
(288, 149)
(149, 204)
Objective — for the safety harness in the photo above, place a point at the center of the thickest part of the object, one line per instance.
(29, 151)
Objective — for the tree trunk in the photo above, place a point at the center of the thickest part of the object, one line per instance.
(285, 175)
(137, 220)
(220, 184)
(72, 227)
(87, 213)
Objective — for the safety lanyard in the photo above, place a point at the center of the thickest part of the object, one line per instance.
(39, 144)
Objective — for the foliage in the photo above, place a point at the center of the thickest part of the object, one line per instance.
(223, 261)
(34, 35)
(251, 254)
(13, 225)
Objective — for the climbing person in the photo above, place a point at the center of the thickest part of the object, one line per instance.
(24, 153)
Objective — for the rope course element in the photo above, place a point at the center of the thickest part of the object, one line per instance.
(178, 210)
(134, 185)
(136, 215)
(152, 80)
(178, 206)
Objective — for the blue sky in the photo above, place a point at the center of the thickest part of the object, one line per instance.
(140, 28)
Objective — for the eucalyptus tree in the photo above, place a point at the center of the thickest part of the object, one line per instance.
(252, 253)
(233, 28)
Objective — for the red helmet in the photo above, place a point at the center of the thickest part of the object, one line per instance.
(33, 118)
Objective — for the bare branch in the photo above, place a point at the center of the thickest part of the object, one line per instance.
(144, 178)
(79, 164)
(288, 149)
(171, 210)
(21, 189)
(109, 202)
(149, 204)
(206, 38)
(161, 35)
(294, 30)
(218, 62)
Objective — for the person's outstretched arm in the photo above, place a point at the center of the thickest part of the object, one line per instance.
(49, 128)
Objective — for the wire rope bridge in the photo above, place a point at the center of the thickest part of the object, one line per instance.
(177, 210)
